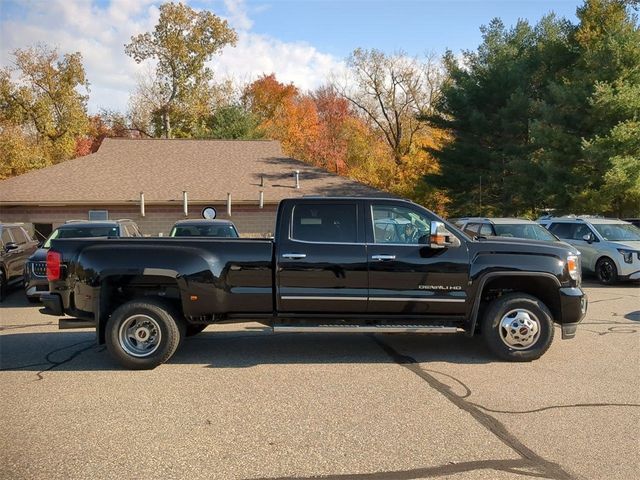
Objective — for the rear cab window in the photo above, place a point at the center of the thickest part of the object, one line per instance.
(325, 223)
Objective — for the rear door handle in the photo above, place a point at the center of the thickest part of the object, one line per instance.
(382, 258)
(294, 256)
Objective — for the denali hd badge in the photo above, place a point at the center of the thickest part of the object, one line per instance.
(440, 287)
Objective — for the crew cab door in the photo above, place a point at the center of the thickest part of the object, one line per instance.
(321, 260)
(406, 275)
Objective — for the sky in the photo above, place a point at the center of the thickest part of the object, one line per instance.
(301, 41)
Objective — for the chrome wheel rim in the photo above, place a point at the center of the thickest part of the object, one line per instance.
(140, 335)
(519, 329)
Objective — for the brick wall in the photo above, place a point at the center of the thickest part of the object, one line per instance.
(251, 221)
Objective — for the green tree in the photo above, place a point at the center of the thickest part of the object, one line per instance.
(40, 99)
(487, 104)
(234, 123)
(585, 130)
(181, 43)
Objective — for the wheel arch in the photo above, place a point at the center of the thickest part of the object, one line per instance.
(118, 289)
(543, 286)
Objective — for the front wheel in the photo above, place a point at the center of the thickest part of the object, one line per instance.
(518, 327)
(142, 334)
(606, 271)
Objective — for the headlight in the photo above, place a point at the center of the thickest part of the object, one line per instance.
(627, 255)
(573, 266)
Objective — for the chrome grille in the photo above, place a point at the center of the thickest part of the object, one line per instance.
(39, 269)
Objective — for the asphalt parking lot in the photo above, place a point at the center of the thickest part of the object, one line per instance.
(241, 402)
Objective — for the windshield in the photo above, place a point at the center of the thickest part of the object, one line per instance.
(525, 230)
(618, 232)
(220, 231)
(81, 232)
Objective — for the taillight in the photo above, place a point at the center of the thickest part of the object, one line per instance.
(54, 259)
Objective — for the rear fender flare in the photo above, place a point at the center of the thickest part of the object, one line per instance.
(100, 301)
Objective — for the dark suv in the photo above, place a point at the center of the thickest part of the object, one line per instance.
(15, 247)
(35, 270)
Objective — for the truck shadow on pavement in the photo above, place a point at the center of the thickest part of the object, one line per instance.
(77, 351)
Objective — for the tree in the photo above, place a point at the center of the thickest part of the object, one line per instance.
(285, 115)
(181, 43)
(391, 91)
(586, 127)
(487, 105)
(234, 123)
(43, 103)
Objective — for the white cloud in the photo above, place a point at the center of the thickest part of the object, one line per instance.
(100, 32)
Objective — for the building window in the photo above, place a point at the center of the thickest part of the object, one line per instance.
(98, 215)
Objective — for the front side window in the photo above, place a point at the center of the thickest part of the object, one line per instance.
(472, 229)
(19, 236)
(6, 237)
(618, 232)
(326, 223)
(486, 229)
(392, 224)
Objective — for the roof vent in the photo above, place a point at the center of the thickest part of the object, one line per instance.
(297, 175)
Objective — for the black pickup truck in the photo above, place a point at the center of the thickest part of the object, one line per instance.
(336, 265)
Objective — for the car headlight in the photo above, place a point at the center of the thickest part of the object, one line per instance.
(627, 255)
(573, 266)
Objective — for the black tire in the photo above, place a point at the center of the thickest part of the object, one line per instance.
(3, 286)
(606, 271)
(33, 299)
(192, 330)
(143, 319)
(518, 342)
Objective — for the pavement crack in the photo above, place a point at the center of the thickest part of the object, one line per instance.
(19, 326)
(548, 469)
(519, 466)
(55, 364)
(552, 407)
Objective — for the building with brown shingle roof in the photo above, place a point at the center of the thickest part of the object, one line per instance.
(211, 172)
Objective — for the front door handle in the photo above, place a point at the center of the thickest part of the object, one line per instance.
(294, 256)
(382, 258)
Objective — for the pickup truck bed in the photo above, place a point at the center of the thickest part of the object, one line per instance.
(336, 264)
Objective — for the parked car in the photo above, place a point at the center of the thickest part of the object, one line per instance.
(204, 228)
(332, 267)
(504, 227)
(16, 245)
(633, 221)
(35, 269)
(610, 247)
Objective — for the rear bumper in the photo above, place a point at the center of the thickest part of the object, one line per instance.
(52, 304)
(573, 303)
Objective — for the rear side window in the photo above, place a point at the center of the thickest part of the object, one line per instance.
(563, 230)
(327, 223)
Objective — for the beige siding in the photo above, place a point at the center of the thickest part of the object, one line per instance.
(251, 221)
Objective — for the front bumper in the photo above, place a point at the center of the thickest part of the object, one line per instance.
(573, 304)
(34, 285)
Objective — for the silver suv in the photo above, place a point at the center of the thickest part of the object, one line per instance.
(610, 248)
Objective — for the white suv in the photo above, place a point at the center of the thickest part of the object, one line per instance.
(610, 248)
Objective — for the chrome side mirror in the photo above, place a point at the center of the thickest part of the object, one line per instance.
(440, 237)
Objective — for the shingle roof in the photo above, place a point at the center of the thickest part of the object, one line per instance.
(162, 169)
